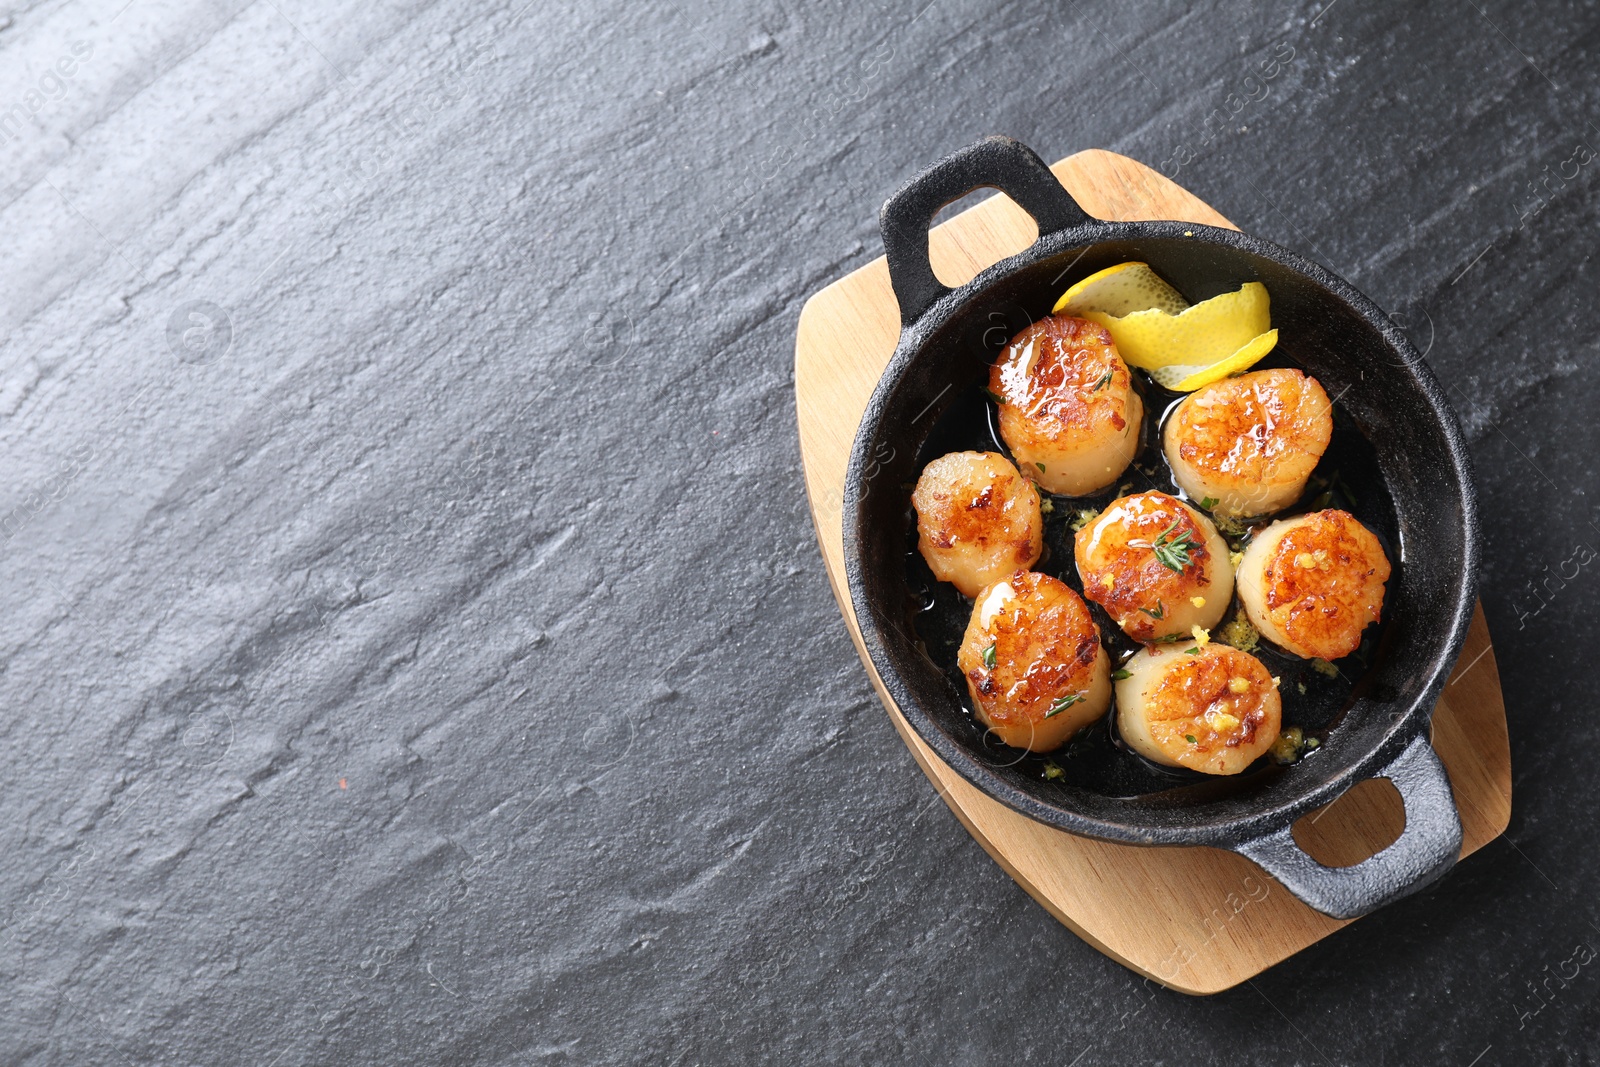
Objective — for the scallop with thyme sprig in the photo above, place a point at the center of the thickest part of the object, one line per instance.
(1033, 661)
(1156, 565)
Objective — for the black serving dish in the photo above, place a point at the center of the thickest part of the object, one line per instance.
(1383, 389)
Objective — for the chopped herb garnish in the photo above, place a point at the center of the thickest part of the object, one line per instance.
(1209, 502)
(1120, 673)
(1174, 553)
(1189, 738)
(1159, 613)
(988, 656)
(1052, 770)
(1192, 651)
(992, 395)
(1036, 463)
(1104, 380)
(1063, 703)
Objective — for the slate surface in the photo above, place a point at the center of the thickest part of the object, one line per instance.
(416, 646)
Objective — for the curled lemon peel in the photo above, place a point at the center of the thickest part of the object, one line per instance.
(1181, 379)
(1199, 336)
(1183, 346)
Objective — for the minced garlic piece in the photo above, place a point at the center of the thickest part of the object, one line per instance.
(1221, 721)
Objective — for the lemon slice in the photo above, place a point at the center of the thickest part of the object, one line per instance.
(1121, 290)
(1200, 336)
(1186, 379)
(1182, 346)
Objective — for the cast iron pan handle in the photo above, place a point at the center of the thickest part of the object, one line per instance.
(1000, 162)
(1423, 852)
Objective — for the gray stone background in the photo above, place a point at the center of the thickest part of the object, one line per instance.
(416, 647)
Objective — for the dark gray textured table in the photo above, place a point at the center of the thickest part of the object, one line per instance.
(417, 649)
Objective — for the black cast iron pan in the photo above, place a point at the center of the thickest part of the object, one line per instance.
(1382, 387)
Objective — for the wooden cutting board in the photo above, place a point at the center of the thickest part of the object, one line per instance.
(1198, 920)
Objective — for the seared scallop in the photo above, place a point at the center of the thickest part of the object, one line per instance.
(1033, 662)
(977, 519)
(1312, 583)
(1245, 446)
(1209, 707)
(1156, 565)
(1068, 410)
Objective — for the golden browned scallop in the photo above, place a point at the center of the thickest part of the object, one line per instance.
(1312, 583)
(1068, 410)
(1246, 445)
(1033, 662)
(1209, 708)
(1156, 565)
(977, 519)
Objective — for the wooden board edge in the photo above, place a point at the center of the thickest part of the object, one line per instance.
(1503, 784)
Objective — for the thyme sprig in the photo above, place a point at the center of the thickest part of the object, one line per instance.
(1175, 552)
(1061, 704)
